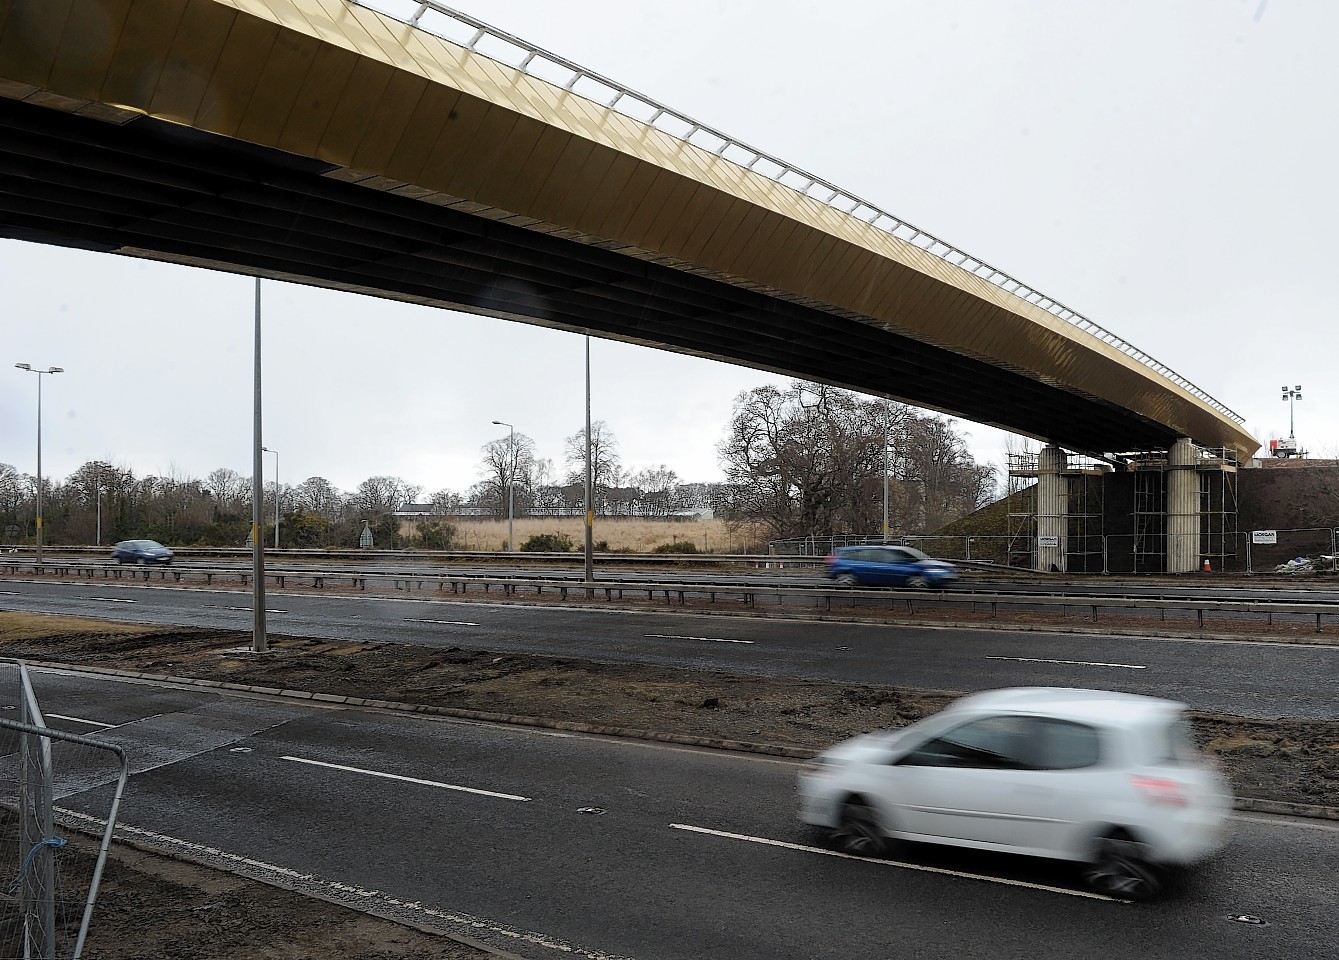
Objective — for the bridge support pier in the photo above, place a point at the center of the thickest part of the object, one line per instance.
(1052, 508)
(1183, 508)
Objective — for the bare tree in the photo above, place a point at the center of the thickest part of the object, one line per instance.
(378, 495)
(444, 502)
(606, 469)
(657, 490)
(509, 460)
(318, 496)
(231, 491)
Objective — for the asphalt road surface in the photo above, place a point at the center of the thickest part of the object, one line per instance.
(1246, 678)
(552, 845)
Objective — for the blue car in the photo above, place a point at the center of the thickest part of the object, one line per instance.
(876, 565)
(141, 551)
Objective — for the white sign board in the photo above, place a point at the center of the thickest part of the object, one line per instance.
(1048, 541)
(1264, 536)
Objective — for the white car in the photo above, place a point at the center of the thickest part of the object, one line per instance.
(1111, 780)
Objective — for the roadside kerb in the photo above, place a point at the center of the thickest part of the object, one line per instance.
(383, 911)
(1282, 807)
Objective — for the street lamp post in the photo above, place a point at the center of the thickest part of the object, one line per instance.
(511, 484)
(590, 486)
(276, 494)
(885, 487)
(99, 533)
(30, 369)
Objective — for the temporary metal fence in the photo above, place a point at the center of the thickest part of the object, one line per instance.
(47, 904)
(1301, 550)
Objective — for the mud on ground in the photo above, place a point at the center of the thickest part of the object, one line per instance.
(197, 913)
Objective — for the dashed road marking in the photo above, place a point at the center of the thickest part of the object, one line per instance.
(91, 723)
(396, 776)
(1076, 663)
(449, 623)
(672, 636)
(803, 848)
(109, 600)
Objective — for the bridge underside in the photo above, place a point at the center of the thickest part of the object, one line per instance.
(165, 191)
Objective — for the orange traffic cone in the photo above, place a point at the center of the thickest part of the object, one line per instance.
(1207, 567)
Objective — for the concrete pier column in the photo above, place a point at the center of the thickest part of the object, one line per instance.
(1183, 508)
(1052, 508)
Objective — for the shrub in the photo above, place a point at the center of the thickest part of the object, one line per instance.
(549, 543)
(678, 546)
(436, 535)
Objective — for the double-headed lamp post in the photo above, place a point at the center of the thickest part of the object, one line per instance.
(276, 494)
(511, 483)
(30, 369)
(1291, 394)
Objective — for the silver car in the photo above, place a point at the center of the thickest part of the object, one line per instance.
(1111, 780)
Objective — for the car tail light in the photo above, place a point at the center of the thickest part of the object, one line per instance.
(1161, 790)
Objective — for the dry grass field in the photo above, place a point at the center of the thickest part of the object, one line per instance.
(623, 534)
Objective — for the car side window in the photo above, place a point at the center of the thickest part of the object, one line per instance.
(1066, 745)
(991, 743)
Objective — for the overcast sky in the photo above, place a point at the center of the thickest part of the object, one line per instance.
(1166, 169)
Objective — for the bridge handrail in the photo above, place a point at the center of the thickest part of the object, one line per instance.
(779, 171)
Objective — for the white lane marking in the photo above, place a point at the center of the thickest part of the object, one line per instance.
(396, 776)
(91, 723)
(1076, 663)
(896, 863)
(472, 925)
(249, 609)
(108, 599)
(9, 593)
(674, 636)
(449, 623)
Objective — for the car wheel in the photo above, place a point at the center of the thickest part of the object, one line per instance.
(918, 582)
(859, 833)
(1121, 868)
(846, 580)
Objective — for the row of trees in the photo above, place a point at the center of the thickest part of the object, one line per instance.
(804, 460)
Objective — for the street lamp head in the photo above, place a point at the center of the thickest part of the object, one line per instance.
(23, 366)
(56, 370)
